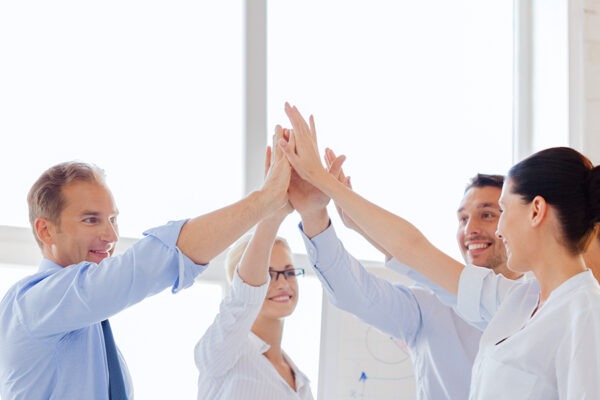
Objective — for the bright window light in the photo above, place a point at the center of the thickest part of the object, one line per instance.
(149, 91)
(419, 101)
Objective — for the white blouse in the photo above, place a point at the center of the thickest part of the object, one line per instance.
(553, 355)
(230, 357)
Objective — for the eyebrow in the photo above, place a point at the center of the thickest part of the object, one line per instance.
(289, 266)
(90, 213)
(482, 205)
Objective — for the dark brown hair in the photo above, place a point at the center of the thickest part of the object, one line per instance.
(568, 181)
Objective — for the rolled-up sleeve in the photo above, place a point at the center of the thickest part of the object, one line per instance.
(224, 341)
(187, 270)
(481, 292)
(65, 299)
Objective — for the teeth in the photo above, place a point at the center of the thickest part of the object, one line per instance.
(477, 246)
(281, 298)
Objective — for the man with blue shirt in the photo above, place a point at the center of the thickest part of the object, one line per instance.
(55, 340)
(441, 344)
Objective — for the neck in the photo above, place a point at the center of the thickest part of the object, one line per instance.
(556, 268)
(508, 273)
(592, 258)
(271, 332)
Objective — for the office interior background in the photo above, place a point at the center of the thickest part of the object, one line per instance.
(177, 101)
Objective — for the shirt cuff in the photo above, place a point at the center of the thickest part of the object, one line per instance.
(247, 293)
(187, 269)
(397, 266)
(322, 249)
(470, 290)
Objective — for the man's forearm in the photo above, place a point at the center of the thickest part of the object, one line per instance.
(204, 237)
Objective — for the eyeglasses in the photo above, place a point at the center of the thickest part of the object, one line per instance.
(287, 273)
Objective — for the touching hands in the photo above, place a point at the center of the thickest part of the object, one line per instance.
(277, 172)
(301, 149)
(275, 158)
(335, 168)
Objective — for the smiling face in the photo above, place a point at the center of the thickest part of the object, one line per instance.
(478, 216)
(282, 296)
(512, 229)
(87, 227)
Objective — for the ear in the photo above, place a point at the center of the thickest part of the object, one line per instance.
(539, 210)
(44, 230)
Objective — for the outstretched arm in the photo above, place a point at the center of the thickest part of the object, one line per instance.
(396, 235)
(204, 237)
(223, 342)
(254, 264)
(330, 159)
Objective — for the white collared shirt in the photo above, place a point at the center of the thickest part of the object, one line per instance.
(230, 357)
(553, 355)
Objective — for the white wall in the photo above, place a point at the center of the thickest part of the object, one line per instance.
(591, 78)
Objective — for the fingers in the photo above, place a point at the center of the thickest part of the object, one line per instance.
(347, 182)
(298, 122)
(329, 157)
(335, 168)
(288, 147)
(313, 129)
(334, 165)
(279, 135)
(267, 160)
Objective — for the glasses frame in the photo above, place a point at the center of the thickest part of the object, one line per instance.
(288, 274)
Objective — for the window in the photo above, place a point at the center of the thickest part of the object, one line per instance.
(149, 91)
(419, 100)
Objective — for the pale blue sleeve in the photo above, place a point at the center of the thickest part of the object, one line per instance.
(445, 296)
(80, 295)
(390, 308)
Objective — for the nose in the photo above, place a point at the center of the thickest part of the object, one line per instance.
(109, 232)
(498, 234)
(280, 281)
(472, 227)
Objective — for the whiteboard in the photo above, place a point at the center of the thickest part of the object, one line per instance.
(358, 361)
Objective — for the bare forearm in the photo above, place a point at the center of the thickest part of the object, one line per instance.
(254, 264)
(315, 223)
(396, 236)
(374, 243)
(204, 237)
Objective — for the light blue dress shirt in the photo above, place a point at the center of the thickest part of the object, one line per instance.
(442, 346)
(51, 342)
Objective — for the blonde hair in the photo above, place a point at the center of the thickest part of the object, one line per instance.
(234, 255)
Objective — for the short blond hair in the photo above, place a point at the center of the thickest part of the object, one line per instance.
(234, 255)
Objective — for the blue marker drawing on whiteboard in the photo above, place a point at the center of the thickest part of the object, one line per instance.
(391, 368)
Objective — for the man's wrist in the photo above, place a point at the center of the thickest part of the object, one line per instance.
(315, 222)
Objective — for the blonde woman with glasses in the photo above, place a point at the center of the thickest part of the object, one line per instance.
(240, 355)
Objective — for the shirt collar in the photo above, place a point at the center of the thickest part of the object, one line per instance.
(47, 265)
(261, 346)
(575, 282)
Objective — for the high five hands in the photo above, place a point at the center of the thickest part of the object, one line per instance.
(299, 145)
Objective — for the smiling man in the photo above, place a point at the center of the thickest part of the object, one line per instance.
(55, 340)
(478, 215)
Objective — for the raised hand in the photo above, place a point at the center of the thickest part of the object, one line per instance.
(301, 149)
(271, 158)
(277, 172)
(305, 197)
(335, 168)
